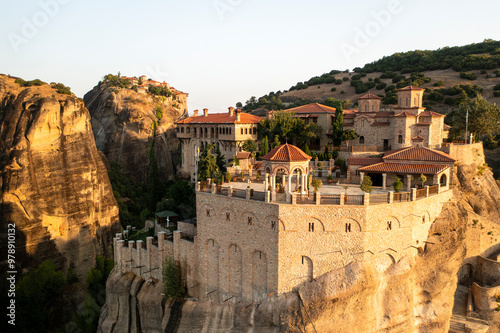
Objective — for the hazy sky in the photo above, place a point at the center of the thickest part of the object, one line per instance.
(224, 51)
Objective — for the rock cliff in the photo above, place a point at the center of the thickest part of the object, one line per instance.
(413, 295)
(55, 187)
(126, 123)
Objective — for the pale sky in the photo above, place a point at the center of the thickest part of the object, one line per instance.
(225, 51)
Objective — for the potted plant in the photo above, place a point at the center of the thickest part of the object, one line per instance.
(228, 176)
(330, 179)
(345, 195)
(258, 175)
(398, 185)
(320, 173)
(242, 175)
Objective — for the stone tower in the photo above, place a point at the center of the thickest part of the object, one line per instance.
(369, 103)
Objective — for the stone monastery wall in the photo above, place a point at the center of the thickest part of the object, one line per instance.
(247, 250)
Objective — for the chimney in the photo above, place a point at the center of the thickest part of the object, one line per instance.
(238, 112)
(195, 114)
(231, 111)
(205, 112)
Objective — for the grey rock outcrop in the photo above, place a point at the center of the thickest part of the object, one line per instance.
(123, 122)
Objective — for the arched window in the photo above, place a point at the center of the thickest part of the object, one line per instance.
(246, 130)
(182, 129)
(361, 139)
(242, 131)
(400, 139)
(188, 130)
(255, 130)
(373, 107)
(366, 107)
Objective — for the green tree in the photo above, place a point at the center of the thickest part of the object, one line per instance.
(264, 146)
(276, 142)
(316, 183)
(220, 160)
(398, 185)
(207, 165)
(422, 179)
(484, 118)
(366, 184)
(172, 279)
(349, 135)
(307, 150)
(338, 126)
(33, 294)
(250, 146)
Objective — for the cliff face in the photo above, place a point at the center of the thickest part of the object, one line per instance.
(413, 295)
(123, 123)
(54, 184)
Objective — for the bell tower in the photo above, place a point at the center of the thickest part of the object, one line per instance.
(410, 100)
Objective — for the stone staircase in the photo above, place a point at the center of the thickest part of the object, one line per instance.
(459, 317)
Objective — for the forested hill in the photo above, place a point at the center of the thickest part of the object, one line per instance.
(447, 74)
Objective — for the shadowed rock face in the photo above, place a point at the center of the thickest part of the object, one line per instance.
(54, 184)
(123, 122)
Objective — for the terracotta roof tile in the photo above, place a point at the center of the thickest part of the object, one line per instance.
(405, 114)
(410, 88)
(370, 96)
(404, 168)
(286, 153)
(243, 155)
(222, 118)
(431, 114)
(418, 154)
(364, 160)
(312, 108)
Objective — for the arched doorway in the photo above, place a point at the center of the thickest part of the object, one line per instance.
(443, 180)
(466, 275)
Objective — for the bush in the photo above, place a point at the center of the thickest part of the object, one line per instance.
(345, 78)
(381, 85)
(333, 89)
(398, 185)
(159, 112)
(172, 279)
(439, 84)
(228, 176)
(468, 76)
(341, 163)
(366, 184)
(496, 93)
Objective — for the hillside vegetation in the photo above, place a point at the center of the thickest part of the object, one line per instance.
(448, 74)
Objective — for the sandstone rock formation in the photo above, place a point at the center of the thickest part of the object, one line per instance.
(412, 295)
(123, 122)
(55, 187)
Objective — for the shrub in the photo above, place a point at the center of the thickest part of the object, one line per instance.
(228, 176)
(496, 93)
(333, 89)
(159, 112)
(439, 83)
(366, 184)
(172, 280)
(398, 185)
(381, 85)
(341, 163)
(342, 92)
(316, 183)
(422, 179)
(468, 76)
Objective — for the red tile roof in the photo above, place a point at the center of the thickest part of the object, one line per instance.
(370, 96)
(404, 168)
(431, 114)
(222, 118)
(364, 160)
(312, 108)
(405, 114)
(243, 155)
(286, 153)
(410, 88)
(418, 154)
